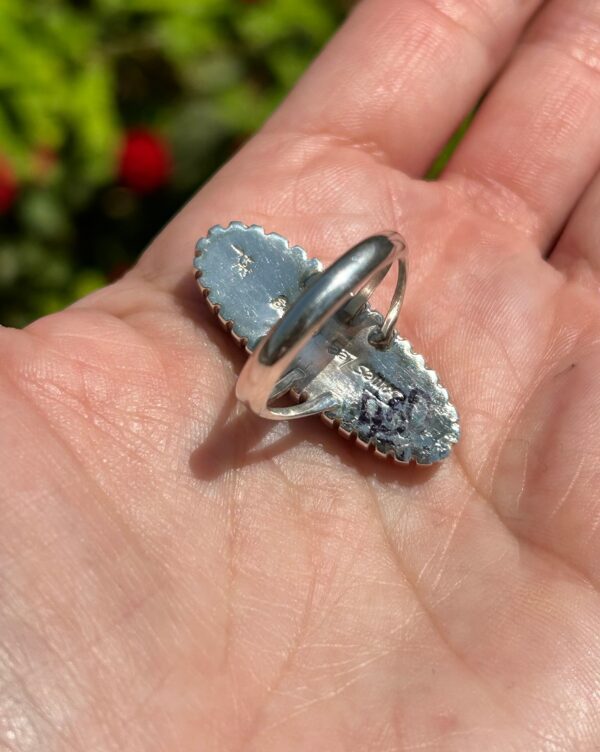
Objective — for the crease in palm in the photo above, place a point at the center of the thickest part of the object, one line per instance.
(180, 575)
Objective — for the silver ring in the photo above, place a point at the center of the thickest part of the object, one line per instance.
(347, 284)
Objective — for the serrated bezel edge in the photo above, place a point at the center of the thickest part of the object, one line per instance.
(242, 342)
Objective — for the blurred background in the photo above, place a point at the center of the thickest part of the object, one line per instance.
(113, 112)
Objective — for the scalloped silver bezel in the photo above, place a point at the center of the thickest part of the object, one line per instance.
(309, 267)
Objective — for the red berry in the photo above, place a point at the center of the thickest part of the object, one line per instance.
(146, 162)
(8, 186)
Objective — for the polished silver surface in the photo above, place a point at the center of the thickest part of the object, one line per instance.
(344, 287)
(387, 397)
(365, 379)
(251, 277)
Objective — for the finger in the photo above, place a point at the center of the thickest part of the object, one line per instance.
(535, 144)
(578, 251)
(395, 81)
(400, 76)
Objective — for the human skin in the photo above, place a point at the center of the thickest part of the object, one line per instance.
(178, 575)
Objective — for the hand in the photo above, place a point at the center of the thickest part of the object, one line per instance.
(179, 575)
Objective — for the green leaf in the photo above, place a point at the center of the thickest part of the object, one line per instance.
(442, 160)
(86, 282)
(244, 107)
(94, 121)
(272, 20)
(43, 213)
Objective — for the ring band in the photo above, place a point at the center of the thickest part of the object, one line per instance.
(348, 283)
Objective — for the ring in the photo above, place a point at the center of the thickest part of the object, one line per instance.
(313, 333)
(343, 288)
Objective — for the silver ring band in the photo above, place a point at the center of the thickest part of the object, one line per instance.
(348, 283)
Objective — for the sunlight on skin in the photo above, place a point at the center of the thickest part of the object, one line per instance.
(179, 575)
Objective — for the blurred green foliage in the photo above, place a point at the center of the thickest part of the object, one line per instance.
(77, 75)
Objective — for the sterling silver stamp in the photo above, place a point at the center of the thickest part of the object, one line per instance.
(311, 332)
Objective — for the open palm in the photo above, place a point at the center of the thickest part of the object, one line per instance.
(179, 575)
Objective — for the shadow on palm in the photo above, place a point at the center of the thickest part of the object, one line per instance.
(199, 574)
(238, 438)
